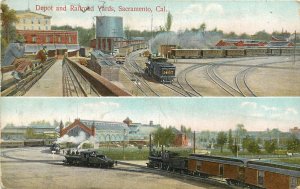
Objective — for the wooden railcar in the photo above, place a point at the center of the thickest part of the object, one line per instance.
(235, 53)
(213, 53)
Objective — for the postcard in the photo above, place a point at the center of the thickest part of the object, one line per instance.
(150, 48)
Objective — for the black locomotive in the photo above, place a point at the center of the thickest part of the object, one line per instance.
(160, 69)
(88, 158)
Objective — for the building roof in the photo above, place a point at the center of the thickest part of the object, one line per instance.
(279, 44)
(28, 11)
(105, 125)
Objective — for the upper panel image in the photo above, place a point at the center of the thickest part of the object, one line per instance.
(150, 48)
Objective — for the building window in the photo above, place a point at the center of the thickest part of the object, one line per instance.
(32, 20)
(46, 21)
(261, 176)
(59, 39)
(46, 27)
(39, 21)
(39, 27)
(47, 39)
(34, 39)
(70, 39)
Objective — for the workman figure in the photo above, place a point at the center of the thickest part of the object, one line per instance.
(41, 55)
(14, 55)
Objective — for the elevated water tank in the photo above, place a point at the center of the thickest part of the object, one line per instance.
(109, 27)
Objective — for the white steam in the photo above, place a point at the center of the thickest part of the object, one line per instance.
(76, 140)
(186, 40)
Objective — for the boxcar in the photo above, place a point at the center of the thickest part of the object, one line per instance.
(287, 51)
(212, 53)
(233, 169)
(185, 53)
(256, 52)
(274, 52)
(11, 144)
(34, 142)
(235, 52)
(272, 175)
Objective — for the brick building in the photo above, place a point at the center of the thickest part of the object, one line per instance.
(181, 139)
(240, 43)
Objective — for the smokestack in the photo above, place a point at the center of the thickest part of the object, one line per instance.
(61, 127)
(93, 129)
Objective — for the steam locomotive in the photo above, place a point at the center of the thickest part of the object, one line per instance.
(159, 69)
(88, 158)
(236, 171)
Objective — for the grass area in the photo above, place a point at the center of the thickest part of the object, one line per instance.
(133, 153)
(292, 160)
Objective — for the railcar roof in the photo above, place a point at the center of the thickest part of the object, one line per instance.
(219, 159)
(277, 167)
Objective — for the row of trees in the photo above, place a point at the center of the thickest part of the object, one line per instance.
(251, 144)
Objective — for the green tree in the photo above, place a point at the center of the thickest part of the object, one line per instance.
(169, 22)
(270, 146)
(293, 144)
(240, 132)
(221, 139)
(262, 35)
(252, 146)
(202, 27)
(164, 136)
(230, 139)
(8, 31)
(245, 142)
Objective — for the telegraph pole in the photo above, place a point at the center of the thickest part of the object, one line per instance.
(295, 48)
(194, 148)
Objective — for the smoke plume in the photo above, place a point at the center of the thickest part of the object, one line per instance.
(186, 40)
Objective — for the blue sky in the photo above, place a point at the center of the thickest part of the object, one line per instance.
(197, 113)
(240, 16)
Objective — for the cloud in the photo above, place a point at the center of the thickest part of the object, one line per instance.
(249, 104)
(214, 8)
(268, 108)
(289, 111)
(101, 105)
(193, 9)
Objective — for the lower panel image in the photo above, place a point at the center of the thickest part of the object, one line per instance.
(150, 143)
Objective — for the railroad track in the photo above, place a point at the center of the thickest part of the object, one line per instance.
(75, 84)
(138, 79)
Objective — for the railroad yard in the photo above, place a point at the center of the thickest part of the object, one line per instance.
(36, 166)
(246, 76)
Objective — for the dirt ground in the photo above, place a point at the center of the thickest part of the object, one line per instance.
(280, 79)
(37, 168)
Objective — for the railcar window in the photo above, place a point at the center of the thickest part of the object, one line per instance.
(261, 176)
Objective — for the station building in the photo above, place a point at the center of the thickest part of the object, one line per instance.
(104, 131)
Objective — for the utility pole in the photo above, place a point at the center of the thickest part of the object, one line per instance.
(150, 144)
(295, 48)
(124, 144)
(194, 148)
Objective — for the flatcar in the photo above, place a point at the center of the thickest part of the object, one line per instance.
(185, 53)
(159, 69)
(256, 52)
(213, 53)
(88, 158)
(235, 53)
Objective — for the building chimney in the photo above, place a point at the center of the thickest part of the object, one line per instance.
(93, 129)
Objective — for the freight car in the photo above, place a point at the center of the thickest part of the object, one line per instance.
(273, 175)
(256, 52)
(11, 144)
(213, 53)
(34, 142)
(88, 158)
(236, 171)
(234, 53)
(159, 69)
(185, 53)
(274, 51)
